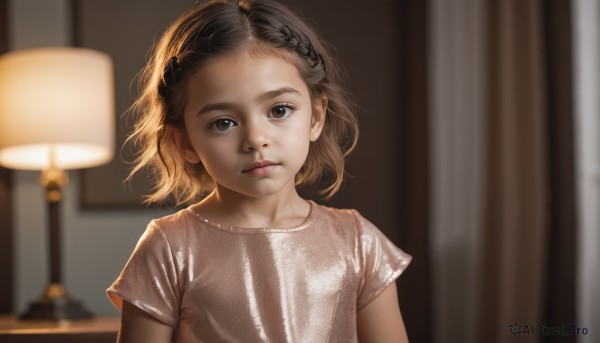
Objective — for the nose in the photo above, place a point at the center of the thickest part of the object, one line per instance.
(255, 137)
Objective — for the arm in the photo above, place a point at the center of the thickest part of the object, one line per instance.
(380, 321)
(138, 326)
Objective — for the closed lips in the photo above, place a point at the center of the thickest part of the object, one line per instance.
(261, 171)
(260, 165)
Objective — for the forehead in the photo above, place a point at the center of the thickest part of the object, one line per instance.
(246, 70)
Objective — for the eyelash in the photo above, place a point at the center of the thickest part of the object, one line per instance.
(288, 107)
(213, 125)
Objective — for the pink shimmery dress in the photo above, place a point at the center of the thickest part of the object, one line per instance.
(226, 284)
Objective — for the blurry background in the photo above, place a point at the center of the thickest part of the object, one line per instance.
(479, 156)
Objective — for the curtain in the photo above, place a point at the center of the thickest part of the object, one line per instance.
(457, 149)
(586, 41)
(560, 301)
(528, 262)
(512, 269)
(503, 195)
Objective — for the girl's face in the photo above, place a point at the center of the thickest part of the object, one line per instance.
(250, 120)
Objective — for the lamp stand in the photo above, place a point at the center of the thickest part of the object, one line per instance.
(55, 303)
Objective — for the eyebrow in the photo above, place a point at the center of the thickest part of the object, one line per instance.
(260, 98)
(277, 92)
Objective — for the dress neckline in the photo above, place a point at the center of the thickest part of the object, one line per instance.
(257, 230)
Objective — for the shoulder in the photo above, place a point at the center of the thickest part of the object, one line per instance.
(176, 222)
(342, 215)
(343, 221)
(173, 229)
(352, 217)
(350, 223)
(177, 218)
(336, 215)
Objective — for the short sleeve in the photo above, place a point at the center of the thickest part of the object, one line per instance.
(382, 262)
(149, 279)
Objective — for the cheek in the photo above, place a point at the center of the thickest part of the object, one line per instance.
(213, 155)
(299, 139)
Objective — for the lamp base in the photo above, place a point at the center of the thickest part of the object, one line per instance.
(55, 304)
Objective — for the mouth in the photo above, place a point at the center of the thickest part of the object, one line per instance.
(261, 168)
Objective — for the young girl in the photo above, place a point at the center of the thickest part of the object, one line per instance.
(242, 104)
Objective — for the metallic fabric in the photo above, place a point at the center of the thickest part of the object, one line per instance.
(213, 283)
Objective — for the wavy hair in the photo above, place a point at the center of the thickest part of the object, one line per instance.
(214, 29)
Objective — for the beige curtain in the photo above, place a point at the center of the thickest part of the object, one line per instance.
(586, 20)
(512, 262)
(489, 169)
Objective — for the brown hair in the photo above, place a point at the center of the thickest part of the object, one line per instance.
(214, 29)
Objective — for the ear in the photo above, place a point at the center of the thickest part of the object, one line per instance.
(318, 118)
(183, 145)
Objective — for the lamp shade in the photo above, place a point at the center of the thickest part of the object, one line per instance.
(56, 107)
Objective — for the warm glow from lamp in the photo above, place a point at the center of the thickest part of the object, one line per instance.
(56, 113)
(56, 107)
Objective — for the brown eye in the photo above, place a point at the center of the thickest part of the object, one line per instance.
(223, 124)
(279, 112)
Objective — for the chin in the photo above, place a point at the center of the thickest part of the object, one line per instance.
(263, 190)
(262, 193)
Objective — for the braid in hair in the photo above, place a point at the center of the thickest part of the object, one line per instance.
(301, 44)
(170, 77)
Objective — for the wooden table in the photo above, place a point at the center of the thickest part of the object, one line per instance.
(96, 330)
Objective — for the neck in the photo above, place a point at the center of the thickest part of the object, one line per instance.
(285, 209)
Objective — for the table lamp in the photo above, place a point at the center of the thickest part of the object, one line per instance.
(56, 113)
